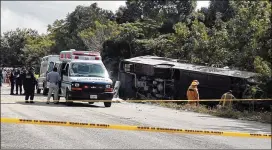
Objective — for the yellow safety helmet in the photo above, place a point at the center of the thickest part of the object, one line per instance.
(195, 82)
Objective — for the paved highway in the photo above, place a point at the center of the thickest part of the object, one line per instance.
(22, 136)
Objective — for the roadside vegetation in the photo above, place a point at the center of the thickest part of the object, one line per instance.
(264, 117)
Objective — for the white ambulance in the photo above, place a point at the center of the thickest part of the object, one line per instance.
(47, 64)
(84, 77)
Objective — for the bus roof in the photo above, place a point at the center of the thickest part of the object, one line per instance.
(154, 60)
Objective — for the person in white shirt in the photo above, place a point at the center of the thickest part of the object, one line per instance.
(53, 78)
(4, 72)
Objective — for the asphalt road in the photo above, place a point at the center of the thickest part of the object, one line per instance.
(22, 136)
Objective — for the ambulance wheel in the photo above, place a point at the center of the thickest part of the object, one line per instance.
(107, 104)
(91, 103)
(38, 91)
(67, 97)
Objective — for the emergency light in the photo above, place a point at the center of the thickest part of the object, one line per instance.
(79, 55)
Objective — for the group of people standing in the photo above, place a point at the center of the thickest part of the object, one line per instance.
(193, 96)
(5, 74)
(22, 79)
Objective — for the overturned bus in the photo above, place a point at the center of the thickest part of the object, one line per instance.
(152, 77)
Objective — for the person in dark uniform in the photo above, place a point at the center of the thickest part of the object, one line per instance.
(30, 83)
(18, 82)
(11, 79)
(23, 76)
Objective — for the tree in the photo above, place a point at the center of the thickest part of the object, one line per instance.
(128, 33)
(36, 48)
(12, 44)
(250, 24)
(223, 7)
(94, 37)
(162, 46)
(66, 32)
(130, 13)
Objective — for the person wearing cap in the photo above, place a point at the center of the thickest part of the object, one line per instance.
(226, 100)
(192, 93)
(18, 81)
(23, 76)
(30, 83)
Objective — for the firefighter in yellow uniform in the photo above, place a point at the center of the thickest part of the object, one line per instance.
(226, 100)
(192, 93)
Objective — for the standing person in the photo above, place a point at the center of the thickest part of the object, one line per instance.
(23, 76)
(1, 78)
(17, 81)
(53, 78)
(8, 76)
(11, 80)
(4, 72)
(30, 83)
(192, 93)
(226, 100)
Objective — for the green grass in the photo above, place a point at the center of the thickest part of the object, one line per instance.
(264, 117)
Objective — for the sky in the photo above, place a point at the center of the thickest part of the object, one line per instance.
(38, 14)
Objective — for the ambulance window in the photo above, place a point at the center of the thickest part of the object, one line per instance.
(51, 65)
(43, 68)
(88, 69)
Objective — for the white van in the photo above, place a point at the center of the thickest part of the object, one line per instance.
(47, 65)
(84, 77)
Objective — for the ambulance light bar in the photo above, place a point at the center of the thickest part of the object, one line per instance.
(80, 55)
(86, 57)
(86, 53)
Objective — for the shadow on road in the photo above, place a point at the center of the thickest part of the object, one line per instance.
(38, 95)
(61, 104)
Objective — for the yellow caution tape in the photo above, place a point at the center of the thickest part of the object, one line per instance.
(159, 101)
(134, 128)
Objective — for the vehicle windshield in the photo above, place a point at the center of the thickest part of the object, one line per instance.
(88, 70)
